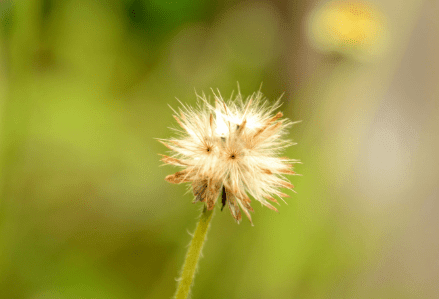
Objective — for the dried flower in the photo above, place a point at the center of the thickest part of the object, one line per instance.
(231, 148)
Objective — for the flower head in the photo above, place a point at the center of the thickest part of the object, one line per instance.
(231, 149)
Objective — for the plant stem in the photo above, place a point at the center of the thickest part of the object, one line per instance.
(193, 255)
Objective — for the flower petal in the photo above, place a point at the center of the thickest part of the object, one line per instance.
(183, 176)
(199, 188)
(233, 205)
(213, 189)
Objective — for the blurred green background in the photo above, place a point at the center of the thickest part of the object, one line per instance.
(84, 90)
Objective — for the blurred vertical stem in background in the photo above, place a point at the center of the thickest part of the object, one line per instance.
(21, 45)
(18, 47)
(193, 255)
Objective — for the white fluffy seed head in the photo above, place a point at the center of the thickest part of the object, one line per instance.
(231, 149)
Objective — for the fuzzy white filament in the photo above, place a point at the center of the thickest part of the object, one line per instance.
(232, 147)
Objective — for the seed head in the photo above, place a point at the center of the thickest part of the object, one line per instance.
(231, 148)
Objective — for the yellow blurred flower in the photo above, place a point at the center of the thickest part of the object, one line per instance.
(353, 28)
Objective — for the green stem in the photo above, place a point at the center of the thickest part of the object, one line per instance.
(193, 255)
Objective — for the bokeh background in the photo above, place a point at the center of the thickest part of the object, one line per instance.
(84, 90)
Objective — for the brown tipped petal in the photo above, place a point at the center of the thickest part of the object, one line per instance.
(274, 127)
(287, 185)
(234, 210)
(270, 207)
(167, 145)
(237, 215)
(212, 194)
(266, 171)
(241, 127)
(274, 118)
(286, 171)
(283, 194)
(266, 131)
(248, 215)
(180, 123)
(179, 177)
(173, 161)
(246, 199)
(241, 204)
(177, 143)
(233, 206)
(271, 199)
(247, 205)
(199, 188)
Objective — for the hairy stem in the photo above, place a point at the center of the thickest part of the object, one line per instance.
(193, 255)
